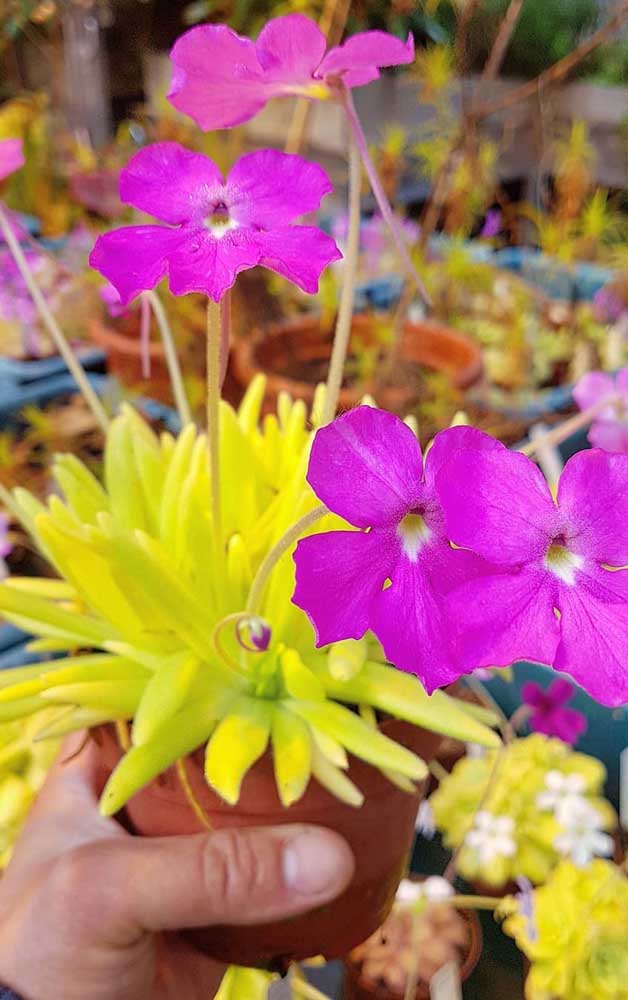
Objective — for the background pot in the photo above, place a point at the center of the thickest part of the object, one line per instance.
(380, 834)
(294, 356)
(124, 358)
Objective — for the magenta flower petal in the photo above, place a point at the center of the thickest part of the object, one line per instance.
(455, 439)
(11, 157)
(591, 389)
(366, 466)
(505, 617)
(549, 714)
(201, 263)
(135, 258)
(609, 436)
(594, 645)
(560, 692)
(497, 503)
(171, 182)
(407, 618)
(298, 253)
(216, 79)
(337, 576)
(593, 494)
(359, 59)
(289, 48)
(269, 188)
(534, 695)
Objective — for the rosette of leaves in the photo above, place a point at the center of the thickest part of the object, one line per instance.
(576, 937)
(512, 789)
(153, 595)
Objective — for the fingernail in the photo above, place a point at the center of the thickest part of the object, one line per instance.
(317, 862)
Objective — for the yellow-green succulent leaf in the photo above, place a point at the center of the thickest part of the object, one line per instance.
(292, 755)
(72, 720)
(347, 658)
(124, 485)
(75, 669)
(20, 708)
(251, 406)
(180, 736)
(237, 743)
(83, 492)
(244, 984)
(334, 780)
(56, 590)
(332, 749)
(104, 696)
(298, 680)
(164, 695)
(373, 747)
(45, 617)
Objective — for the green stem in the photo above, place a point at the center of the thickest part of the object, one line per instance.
(380, 196)
(272, 557)
(172, 361)
(52, 326)
(214, 324)
(345, 311)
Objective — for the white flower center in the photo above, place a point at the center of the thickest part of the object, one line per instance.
(219, 222)
(563, 563)
(414, 533)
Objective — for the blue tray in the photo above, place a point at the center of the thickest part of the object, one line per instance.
(576, 283)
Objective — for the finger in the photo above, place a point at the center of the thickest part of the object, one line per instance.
(234, 876)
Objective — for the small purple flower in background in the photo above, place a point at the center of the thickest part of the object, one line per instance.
(609, 430)
(111, 298)
(215, 228)
(554, 599)
(492, 225)
(221, 79)
(375, 239)
(367, 467)
(549, 712)
(525, 902)
(5, 544)
(11, 157)
(608, 306)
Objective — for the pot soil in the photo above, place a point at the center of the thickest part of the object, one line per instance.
(294, 357)
(380, 834)
(379, 968)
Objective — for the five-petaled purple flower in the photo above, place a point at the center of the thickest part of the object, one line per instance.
(609, 430)
(11, 157)
(391, 575)
(221, 79)
(556, 599)
(215, 227)
(549, 711)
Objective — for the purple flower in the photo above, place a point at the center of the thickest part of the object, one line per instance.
(389, 576)
(111, 298)
(11, 157)
(608, 306)
(221, 79)
(215, 228)
(5, 544)
(525, 902)
(549, 713)
(492, 224)
(609, 430)
(375, 237)
(555, 600)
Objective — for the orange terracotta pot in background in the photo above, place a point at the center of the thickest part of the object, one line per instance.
(380, 835)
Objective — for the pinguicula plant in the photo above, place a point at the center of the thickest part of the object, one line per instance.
(575, 940)
(604, 398)
(518, 816)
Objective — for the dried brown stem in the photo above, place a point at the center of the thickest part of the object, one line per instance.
(502, 40)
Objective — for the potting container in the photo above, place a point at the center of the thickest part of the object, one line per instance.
(380, 834)
(578, 282)
(294, 357)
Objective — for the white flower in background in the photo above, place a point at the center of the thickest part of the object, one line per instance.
(582, 837)
(492, 837)
(425, 824)
(433, 889)
(560, 788)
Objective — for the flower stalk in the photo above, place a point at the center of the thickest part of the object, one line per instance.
(172, 361)
(214, 335)
(380, 195)
(559, 434)
(273, 556)
(342, 335)
(53, 328)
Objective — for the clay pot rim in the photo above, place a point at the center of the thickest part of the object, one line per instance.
(109, 338)
(472, 956)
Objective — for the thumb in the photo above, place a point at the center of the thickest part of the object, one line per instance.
(232, 876)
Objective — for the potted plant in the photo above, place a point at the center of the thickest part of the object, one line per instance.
(574, 933)
(541, 802)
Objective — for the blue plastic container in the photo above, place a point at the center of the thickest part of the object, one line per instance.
(576, 283)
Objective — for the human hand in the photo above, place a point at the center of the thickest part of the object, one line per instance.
(89, 912)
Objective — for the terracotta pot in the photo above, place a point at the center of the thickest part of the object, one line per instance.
(380, 834)
(355, 988)
(124, 357)
(294, 356)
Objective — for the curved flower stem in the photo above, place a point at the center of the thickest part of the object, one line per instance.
(559, 434)
(214, 327)
(188, 791)
(380, 196)
(52, 326)
(221, 652)
(145, 318)
(225, 334)
(272, 557)
(172, 361)
(342, 335)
